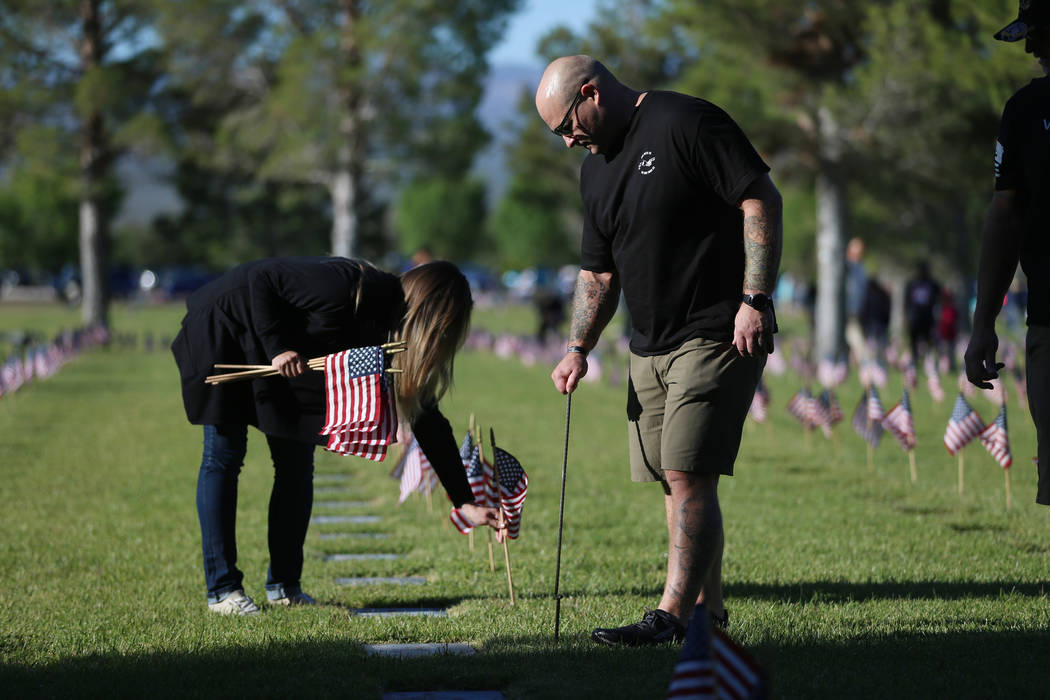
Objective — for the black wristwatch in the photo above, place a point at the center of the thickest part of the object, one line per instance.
(758, 302)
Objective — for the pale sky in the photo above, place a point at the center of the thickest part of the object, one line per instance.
(533, 21)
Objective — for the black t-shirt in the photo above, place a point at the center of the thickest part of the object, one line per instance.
(1022, 163)
(661, 211)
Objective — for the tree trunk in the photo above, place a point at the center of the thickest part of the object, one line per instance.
(344, 226)
(93, 149)
(830, 314)
(347, 183)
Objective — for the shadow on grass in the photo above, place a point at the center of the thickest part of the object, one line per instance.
(956, 665)
(839, 591)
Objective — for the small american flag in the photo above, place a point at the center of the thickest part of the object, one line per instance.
(900, 423)
(910, 376)
(831, 406)
(996, 440)
(870, 431)
(760, 403)
(414, 469)
(513, 486)
(963, 425)
(933, 379)
(712, 666)
(481, 480)
(800, 408)
(875, 412)
(360, 417)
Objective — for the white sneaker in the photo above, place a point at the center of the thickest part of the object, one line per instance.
(299, 598)
(236, 603)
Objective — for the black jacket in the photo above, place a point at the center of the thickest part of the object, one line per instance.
(260, 309)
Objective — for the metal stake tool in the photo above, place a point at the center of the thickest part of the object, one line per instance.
(561, 518)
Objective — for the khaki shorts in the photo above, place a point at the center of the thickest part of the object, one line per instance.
(686, 409)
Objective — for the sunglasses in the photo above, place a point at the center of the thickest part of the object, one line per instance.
(565, 127)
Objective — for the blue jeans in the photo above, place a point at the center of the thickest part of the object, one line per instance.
(290, 503)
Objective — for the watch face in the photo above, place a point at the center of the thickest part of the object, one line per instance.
(760, 302)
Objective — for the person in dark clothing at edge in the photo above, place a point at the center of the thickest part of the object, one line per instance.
(680, 212)
(1015, 230)
(281, 312)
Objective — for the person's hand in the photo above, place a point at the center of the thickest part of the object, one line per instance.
(569, 372)
(980, 357)
(753, 331)
(289, 364)
(479, 515)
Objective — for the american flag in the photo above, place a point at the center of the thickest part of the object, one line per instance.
(513, 485)
(800, 408)
(414, 470)
(712, 666)
(996, 440)
(481, 480)
(910, 376)
(831, 373)
(933, 379)
(875, 413)
(870, 431)
(831, 406)
(818, 414)
(900, 423)
(361, 418)
(963, 426)
(760, 403)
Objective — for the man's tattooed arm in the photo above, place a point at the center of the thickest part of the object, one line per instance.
(763, 237)
(593, 306)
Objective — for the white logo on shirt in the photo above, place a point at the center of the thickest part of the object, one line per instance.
(1046, 125)
(998, 157)
(647, 163)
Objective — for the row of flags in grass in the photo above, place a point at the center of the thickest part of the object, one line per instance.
(965, 424)
(415, 473)
(870, 420)
(42, 360)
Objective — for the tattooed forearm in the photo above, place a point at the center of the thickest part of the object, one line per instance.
(762, 240)
(593, 305)
(762, 243)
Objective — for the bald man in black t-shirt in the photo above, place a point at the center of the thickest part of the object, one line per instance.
(679, 211)
(1016, 230)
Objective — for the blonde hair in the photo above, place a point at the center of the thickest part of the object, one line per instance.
(435, 326)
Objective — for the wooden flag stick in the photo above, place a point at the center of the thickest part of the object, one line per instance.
(481, 456)
(914, 469)
(960, 472)
(502, 522)
(871, 457)
(1006, 476)
(470, 535)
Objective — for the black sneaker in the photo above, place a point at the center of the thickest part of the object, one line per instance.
(656, 627)
(721, 623)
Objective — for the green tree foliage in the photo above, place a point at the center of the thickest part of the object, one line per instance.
(364, 96)
(444, 215)
(63, 72)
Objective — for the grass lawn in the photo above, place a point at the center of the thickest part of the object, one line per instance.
(843, 582)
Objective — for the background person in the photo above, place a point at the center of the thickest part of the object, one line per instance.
(282, 312)
(679, 210)
(921, 296)
(1015, 230)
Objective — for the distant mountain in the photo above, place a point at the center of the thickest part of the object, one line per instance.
(499, 115)
(149, 194)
